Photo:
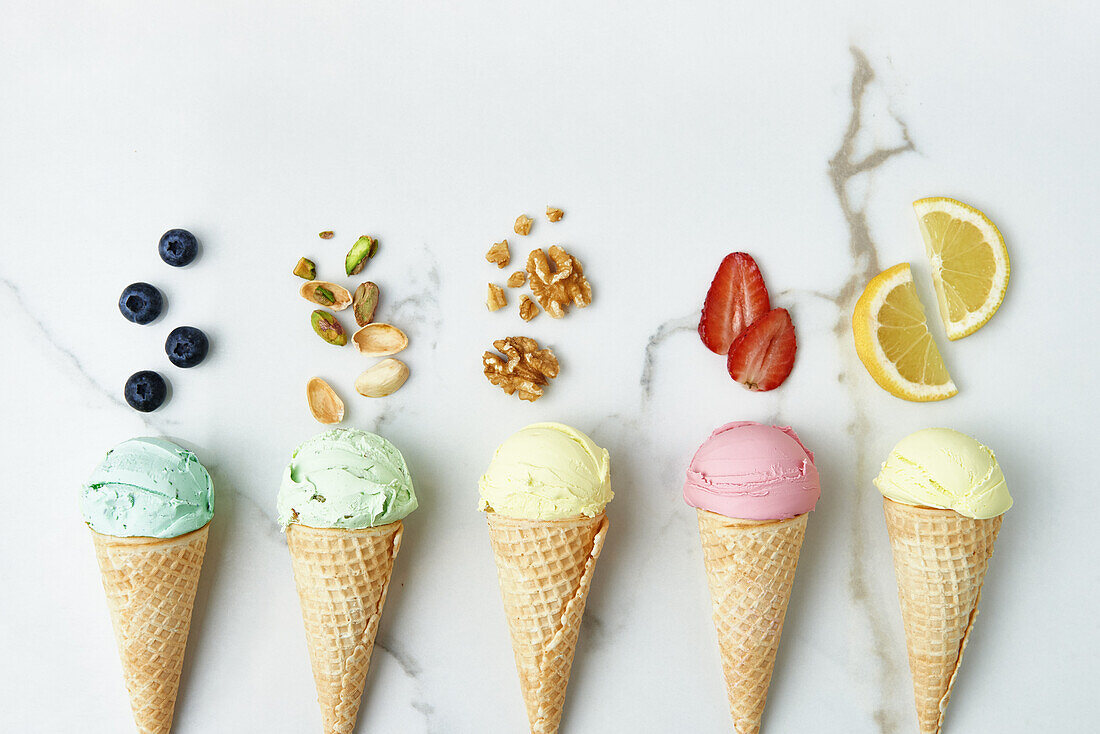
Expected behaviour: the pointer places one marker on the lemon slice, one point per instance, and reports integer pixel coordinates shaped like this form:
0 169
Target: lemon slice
969 263
893 342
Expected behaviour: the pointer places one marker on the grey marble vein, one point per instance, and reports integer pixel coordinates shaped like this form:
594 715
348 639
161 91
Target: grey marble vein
656 340
418 305
412 670
73 363
380 420
844 166
264 514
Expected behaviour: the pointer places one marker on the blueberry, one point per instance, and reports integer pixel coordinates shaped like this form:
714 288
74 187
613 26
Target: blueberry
145 391
178 247
140 303
186 346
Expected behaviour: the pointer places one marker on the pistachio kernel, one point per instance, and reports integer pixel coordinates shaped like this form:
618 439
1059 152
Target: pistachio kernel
328 234
305 269
325 295
364 302
363 250
328 328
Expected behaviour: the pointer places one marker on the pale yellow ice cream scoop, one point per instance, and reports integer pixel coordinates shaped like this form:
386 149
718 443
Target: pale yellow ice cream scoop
939 467
547 471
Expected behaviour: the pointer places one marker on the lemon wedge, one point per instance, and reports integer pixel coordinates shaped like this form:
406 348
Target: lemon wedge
969 263
892 339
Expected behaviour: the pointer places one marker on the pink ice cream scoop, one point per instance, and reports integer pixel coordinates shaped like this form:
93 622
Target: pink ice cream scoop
754 472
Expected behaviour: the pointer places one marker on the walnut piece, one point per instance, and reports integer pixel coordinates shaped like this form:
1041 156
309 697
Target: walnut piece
499 255
527 308
496 299
554 214
525 370
516 279
557 282
523 224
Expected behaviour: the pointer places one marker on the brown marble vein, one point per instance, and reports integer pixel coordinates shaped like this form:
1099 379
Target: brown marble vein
844 166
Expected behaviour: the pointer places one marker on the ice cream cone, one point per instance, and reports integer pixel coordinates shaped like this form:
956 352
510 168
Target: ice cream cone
342 577
150 585
545 569
750 569
940 559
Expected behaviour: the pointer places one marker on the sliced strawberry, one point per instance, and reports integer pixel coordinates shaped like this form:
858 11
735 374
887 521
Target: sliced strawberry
737 297
762 357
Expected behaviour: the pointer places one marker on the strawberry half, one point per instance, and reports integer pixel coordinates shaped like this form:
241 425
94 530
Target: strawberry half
762 357
737 297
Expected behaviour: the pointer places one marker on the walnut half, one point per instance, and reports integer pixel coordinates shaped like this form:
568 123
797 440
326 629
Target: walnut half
557 282
526 369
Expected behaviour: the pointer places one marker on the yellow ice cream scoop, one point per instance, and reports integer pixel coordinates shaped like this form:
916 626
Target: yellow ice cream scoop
547 471
939 467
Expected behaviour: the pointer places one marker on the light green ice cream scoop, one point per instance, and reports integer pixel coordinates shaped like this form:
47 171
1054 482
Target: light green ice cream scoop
345 478
148 487
547 471
939 467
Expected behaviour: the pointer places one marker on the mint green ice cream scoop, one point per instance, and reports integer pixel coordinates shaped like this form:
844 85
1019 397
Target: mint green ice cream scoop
345 478
148 487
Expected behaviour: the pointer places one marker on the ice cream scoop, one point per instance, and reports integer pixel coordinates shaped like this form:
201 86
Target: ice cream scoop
149 504
544 495
752 471
547 471
945 469
148 487
345 478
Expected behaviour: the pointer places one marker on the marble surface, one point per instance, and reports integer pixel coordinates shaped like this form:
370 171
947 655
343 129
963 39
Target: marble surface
670 135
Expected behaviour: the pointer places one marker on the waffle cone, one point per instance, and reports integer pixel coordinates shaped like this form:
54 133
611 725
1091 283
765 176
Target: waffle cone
150 585
940 559
342 577
750 569
545 569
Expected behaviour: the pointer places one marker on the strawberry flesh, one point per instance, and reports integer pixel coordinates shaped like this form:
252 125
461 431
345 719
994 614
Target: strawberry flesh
762 357
737 297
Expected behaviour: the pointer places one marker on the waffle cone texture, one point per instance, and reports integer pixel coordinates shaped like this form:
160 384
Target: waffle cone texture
545 570
750 570
940 560
342 578
150 585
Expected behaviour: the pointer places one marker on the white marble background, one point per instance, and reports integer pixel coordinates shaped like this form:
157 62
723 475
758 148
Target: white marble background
671 134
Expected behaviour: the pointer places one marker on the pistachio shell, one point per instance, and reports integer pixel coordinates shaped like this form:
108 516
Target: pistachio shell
382 379
364 302
319 292
324 403
380 340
